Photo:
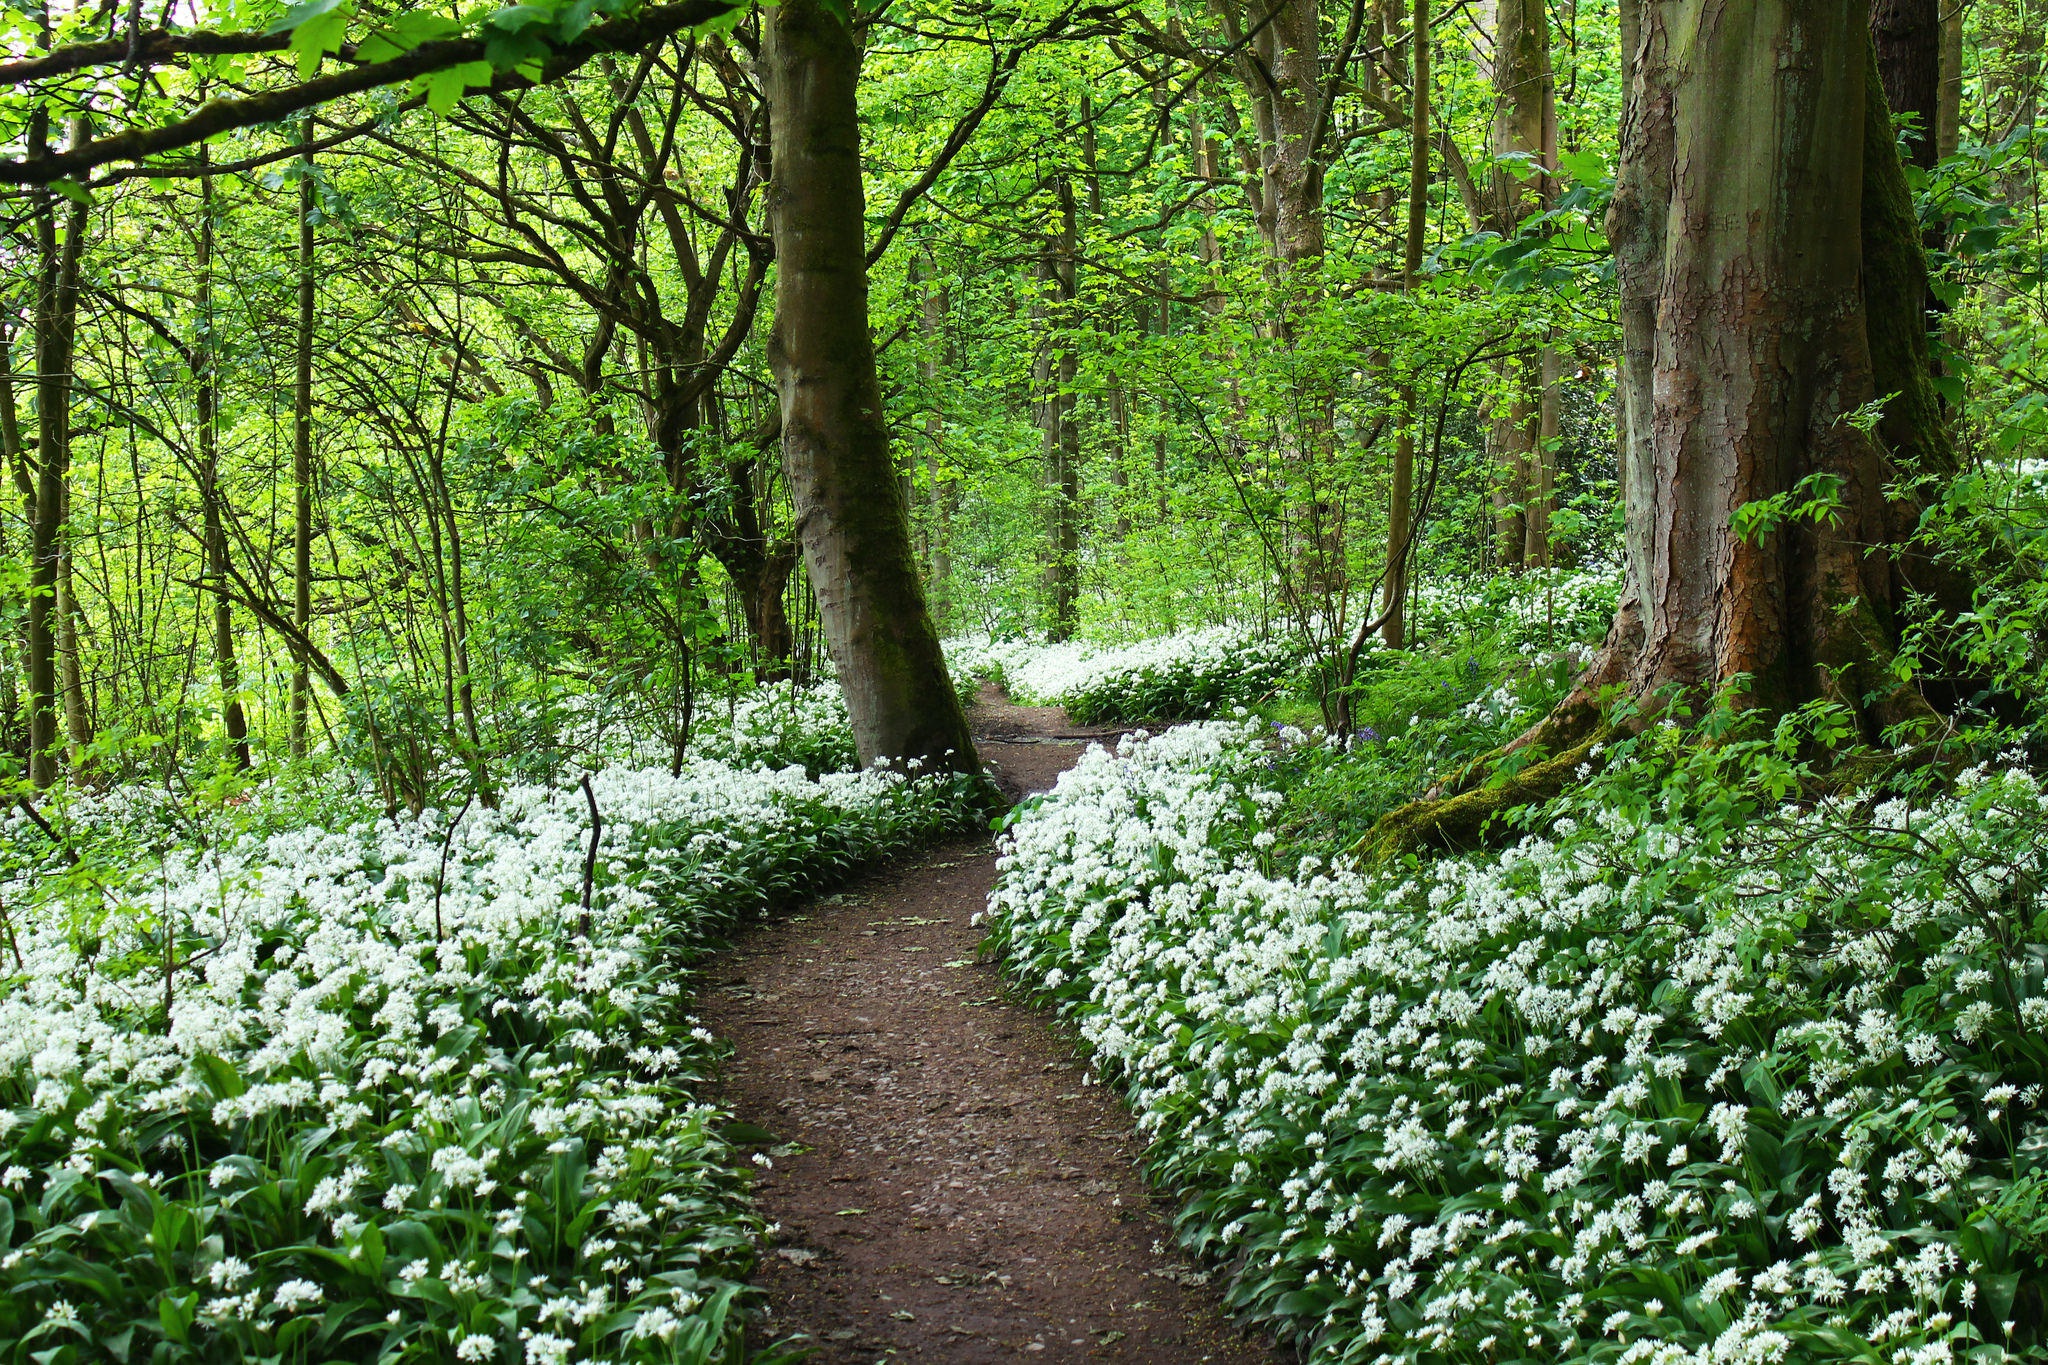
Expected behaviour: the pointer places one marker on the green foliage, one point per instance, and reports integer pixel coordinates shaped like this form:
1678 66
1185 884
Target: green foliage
1684 1070
371 1094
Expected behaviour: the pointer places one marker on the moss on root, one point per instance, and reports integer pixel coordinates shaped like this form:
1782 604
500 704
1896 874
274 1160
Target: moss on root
1460 821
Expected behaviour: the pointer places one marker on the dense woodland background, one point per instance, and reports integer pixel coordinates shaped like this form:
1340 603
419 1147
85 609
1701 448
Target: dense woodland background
490 489
410 440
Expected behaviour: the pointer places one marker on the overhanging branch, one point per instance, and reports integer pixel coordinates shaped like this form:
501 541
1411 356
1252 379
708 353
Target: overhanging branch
219 116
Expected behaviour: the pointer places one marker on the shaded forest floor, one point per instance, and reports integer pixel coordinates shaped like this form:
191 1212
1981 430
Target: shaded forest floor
955 1191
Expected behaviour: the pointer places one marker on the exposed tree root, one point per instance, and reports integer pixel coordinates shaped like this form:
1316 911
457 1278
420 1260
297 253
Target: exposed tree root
1457 822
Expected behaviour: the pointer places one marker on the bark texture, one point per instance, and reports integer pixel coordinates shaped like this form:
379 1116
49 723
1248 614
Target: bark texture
1279 64
1770 278
1907 36
851 518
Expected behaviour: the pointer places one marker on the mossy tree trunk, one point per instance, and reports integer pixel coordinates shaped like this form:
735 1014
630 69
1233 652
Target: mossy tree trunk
851 518
1770 277
56 322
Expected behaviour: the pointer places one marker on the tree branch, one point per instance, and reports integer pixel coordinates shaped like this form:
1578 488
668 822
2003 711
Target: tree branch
218 116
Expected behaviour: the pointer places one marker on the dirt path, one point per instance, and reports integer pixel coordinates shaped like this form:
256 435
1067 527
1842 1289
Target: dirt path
960 1194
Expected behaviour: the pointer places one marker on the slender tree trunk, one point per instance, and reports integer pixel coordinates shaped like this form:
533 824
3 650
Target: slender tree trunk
1160 483
1536 551
70 669
206 376
56 331
1064 425
1524 128
302 458
1512 436
938 359
1400 508
853 524
14 739
1948 109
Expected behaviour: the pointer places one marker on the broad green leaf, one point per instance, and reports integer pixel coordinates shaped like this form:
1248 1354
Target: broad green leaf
444 88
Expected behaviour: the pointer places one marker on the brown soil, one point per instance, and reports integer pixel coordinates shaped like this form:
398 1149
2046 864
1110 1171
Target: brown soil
954 1189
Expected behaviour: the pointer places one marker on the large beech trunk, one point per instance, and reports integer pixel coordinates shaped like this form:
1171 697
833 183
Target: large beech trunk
1770 278
850 513
1759 194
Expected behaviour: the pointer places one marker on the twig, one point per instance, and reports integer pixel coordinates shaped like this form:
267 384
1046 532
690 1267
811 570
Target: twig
28 808
590 858
441 879
14 944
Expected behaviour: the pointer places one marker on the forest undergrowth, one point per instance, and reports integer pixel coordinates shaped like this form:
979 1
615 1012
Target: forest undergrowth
1692 1064
286 1076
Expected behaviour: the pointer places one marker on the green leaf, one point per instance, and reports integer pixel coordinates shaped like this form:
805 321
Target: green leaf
316 27
176 1315
1588 168
406 32
519 18
444 88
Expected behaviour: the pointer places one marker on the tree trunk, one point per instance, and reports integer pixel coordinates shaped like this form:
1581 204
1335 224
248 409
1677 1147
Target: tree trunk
1770 277
1948 109
13 718
1281 71
1542 462
1907 36
1063 427
206 379
850 514
1524 128
938 359
56 322
1750 340
70 666
302 459
1400 508
1512 438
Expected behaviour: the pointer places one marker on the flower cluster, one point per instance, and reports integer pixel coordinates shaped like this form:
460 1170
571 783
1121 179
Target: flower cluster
1169 677
1663 1084
773 724
1536 610
407 1087
780 723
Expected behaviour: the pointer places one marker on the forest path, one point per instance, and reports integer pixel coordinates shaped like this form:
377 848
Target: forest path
960 1195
